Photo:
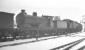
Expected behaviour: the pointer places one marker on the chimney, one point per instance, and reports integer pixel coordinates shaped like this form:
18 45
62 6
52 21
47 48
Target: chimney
34 13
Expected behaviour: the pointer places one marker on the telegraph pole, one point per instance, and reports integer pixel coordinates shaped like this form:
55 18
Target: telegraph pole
83 22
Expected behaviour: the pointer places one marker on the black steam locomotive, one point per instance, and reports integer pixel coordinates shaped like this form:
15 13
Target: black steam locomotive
32 26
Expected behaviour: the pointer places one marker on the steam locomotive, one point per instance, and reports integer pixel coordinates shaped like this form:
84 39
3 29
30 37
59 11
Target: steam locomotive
32 26
45 25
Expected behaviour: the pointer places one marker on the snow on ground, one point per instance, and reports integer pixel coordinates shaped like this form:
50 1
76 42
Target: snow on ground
81 34
15 41
25 40
44 44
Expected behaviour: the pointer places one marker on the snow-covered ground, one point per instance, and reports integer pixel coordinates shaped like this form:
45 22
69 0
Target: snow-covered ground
26 40
43 44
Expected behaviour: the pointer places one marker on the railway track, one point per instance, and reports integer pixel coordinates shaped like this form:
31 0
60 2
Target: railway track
72 45
67 46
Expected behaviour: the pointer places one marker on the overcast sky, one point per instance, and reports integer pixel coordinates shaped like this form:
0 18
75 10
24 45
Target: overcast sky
71 9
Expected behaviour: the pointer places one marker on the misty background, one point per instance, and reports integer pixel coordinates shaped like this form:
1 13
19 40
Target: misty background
66 9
